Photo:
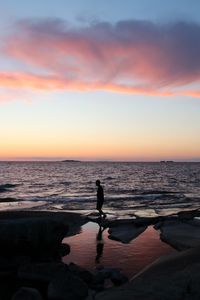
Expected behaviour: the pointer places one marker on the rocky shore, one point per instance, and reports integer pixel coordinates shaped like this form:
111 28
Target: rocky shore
31 254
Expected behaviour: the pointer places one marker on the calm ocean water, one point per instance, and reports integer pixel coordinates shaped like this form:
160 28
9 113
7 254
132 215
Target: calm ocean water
149 188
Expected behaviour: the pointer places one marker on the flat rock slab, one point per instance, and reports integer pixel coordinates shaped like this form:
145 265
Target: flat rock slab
173 277
181 235
125 232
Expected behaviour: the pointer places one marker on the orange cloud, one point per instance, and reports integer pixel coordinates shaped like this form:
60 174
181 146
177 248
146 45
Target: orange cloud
134 57
54 83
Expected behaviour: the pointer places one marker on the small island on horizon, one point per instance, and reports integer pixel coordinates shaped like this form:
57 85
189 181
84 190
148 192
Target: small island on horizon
71 160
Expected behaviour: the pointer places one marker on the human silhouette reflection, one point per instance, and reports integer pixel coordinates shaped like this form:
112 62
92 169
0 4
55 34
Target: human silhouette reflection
100 244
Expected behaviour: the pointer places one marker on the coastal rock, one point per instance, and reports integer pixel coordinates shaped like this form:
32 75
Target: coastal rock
118 278
25 293
82 273
12 263
125 232
98 282
173 277
64 249
106 272
113 274
181 235
189 214
66 286
143 221
33 236
44 272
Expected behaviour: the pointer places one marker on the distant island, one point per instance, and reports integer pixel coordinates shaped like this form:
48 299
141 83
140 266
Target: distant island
166 161
71 160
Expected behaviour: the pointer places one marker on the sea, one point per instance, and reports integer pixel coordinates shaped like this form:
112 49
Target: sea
130 188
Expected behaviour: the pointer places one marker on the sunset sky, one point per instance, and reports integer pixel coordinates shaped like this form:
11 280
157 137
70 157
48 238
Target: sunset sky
100 80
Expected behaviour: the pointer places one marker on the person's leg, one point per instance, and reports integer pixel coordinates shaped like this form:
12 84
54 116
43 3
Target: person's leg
102 213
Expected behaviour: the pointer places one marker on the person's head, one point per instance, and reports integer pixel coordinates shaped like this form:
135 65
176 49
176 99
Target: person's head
98 182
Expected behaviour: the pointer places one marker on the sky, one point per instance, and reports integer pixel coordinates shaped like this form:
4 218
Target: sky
100 80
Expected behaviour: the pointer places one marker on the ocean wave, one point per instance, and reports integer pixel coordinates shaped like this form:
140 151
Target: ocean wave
9 199
155 192
65 183
109 178
6 187
119 201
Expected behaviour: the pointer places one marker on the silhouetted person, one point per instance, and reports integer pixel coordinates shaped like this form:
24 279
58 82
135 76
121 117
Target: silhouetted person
100 198
100 244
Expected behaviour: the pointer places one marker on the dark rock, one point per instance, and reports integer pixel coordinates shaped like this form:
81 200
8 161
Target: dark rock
25 293
41 271
8 284
144 221
114 274
32 236
99 278
194 222
11 264
125 232
181 235
188 215
98 282
173 277
107 272
85 275
66 286
118 278
64 249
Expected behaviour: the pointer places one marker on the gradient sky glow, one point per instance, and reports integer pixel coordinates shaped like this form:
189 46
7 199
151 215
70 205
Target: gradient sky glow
100 80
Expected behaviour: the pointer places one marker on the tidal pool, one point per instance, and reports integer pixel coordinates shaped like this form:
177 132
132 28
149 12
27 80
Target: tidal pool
92 248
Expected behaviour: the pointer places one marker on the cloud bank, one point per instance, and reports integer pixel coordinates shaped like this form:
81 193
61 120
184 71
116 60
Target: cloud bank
138 57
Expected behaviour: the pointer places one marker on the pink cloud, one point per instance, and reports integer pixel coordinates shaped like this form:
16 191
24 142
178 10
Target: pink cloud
128 57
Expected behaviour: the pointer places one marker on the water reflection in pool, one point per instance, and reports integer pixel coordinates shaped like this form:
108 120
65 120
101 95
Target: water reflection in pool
92 248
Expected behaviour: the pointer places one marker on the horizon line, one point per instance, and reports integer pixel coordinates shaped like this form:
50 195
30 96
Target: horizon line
102 161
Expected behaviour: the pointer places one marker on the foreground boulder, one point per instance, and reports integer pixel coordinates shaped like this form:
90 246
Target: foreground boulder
43 272
82 273
32 236
181 235
25 293
66 286
174 277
